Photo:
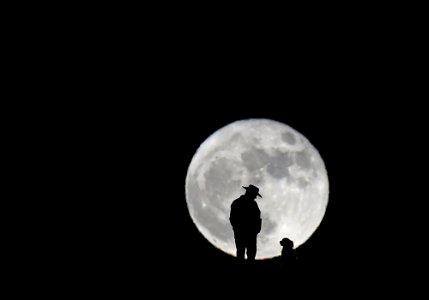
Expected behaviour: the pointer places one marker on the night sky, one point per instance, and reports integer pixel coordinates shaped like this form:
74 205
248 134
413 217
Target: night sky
142 231
131 129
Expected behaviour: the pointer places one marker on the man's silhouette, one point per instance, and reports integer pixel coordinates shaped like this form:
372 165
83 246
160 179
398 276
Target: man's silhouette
245 218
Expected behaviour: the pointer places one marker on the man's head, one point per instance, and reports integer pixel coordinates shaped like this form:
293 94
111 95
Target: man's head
252 191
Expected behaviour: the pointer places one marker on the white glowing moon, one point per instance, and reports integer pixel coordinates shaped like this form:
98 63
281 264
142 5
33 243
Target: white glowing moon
286 167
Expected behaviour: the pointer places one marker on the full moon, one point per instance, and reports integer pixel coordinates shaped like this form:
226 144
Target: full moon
286 167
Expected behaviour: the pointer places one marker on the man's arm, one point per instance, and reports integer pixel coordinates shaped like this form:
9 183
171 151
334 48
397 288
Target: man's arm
259 220
232 215
259 225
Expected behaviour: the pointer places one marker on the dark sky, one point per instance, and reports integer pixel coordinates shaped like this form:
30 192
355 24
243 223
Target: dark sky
110 106
141 224
132 126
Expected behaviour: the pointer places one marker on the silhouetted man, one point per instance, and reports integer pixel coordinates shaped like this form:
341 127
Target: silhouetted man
245 218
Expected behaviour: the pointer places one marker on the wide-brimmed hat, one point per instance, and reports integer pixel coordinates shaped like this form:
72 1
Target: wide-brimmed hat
253 189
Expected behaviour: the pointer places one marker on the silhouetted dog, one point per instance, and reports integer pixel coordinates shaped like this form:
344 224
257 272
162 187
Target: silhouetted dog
289 259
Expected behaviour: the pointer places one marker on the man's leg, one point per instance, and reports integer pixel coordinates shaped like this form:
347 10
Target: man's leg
240 245
251 247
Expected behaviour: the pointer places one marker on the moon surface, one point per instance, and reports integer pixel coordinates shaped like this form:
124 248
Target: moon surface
286 167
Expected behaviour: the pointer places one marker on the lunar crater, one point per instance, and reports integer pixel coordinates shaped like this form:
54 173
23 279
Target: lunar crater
288 137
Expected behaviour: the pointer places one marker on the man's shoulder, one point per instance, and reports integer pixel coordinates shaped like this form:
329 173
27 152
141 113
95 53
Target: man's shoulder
237 201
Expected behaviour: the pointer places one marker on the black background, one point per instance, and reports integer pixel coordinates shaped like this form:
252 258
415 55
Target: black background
139 229
123 109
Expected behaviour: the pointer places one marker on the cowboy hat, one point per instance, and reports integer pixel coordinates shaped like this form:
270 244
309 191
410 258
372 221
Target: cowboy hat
252 189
